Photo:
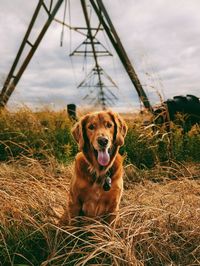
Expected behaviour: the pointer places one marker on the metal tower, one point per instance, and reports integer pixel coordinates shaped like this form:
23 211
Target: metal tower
97 82
51 10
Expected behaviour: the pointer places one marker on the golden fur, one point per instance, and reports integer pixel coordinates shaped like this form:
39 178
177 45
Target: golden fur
93 163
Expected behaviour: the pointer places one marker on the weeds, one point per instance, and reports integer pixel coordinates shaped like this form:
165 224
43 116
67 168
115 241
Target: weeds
159 221
47 134
159 214
37 135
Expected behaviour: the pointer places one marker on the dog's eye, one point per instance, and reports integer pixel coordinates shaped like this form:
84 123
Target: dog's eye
108 125
91 127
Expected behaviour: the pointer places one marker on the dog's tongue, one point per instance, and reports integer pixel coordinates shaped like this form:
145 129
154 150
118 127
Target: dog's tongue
103 157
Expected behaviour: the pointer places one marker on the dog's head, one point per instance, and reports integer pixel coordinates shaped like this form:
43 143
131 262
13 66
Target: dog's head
99 135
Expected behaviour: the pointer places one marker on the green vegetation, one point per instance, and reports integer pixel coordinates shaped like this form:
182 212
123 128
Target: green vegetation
37 135
159 214
47 134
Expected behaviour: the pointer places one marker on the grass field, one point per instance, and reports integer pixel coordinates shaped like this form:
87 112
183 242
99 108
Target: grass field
160 209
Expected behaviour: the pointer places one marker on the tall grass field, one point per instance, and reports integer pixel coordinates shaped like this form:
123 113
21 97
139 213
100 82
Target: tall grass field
159 212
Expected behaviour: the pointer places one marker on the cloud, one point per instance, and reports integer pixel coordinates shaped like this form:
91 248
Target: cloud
161 38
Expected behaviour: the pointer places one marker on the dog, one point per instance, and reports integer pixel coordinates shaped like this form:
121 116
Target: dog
96 188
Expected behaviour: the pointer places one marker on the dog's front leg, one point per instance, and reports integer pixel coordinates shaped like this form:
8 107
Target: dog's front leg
113 214
113 208
73 210
74 206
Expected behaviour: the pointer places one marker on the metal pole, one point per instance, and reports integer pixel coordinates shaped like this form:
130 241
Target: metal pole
9 88
10 75
116 42
102 99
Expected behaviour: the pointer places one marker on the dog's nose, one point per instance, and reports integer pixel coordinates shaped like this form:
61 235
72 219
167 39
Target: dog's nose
102 141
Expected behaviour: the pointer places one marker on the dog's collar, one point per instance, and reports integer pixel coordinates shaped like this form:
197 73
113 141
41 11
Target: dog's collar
104 180
107 183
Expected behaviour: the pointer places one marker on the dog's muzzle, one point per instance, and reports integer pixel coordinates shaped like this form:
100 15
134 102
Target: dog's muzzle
102 141
103 156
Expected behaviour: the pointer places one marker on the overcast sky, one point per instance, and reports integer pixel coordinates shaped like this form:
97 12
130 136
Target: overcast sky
161 37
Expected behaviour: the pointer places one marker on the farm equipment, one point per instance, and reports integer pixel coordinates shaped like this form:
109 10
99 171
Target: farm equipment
21 62
188 105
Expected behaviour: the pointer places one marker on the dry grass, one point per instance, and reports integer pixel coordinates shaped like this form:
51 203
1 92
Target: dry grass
160 218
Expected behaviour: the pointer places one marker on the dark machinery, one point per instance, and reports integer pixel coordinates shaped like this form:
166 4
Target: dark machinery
188 106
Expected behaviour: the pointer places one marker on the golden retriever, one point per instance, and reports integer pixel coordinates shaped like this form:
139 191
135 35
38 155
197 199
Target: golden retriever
96 188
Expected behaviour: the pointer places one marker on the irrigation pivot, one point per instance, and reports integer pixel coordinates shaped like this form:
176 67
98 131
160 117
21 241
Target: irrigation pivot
104 20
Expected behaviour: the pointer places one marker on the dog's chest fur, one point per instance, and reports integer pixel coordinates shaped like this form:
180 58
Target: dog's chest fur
89 191
96 201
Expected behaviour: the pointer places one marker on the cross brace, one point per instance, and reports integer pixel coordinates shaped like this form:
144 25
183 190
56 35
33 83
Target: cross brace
116 42
12 78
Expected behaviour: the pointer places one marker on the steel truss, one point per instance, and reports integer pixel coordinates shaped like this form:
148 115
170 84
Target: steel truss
98 6
14 76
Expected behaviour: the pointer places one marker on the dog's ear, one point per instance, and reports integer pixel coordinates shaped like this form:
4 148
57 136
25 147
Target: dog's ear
78 132
120 129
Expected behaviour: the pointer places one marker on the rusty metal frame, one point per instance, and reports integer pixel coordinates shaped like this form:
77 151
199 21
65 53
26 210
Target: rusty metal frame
106 22
12 78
